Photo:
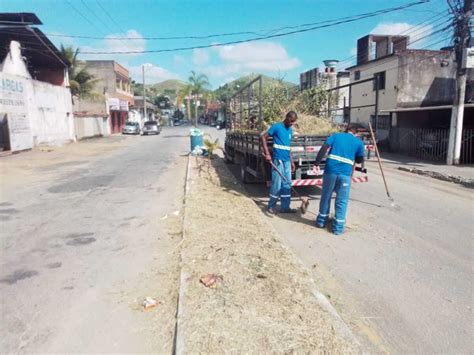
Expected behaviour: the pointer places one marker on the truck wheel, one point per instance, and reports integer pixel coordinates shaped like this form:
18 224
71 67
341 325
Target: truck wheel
245 175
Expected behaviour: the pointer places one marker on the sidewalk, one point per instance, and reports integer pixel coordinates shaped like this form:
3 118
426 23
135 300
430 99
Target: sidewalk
463 174
263 299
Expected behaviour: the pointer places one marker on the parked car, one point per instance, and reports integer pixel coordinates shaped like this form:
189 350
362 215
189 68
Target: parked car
131 128
151 127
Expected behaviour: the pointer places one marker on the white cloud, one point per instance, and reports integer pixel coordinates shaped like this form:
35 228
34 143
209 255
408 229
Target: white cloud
153 74
268 56
110 44
137 44
200 57
244 58
416 33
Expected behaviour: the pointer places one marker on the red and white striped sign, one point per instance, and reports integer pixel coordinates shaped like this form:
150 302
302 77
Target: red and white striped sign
319 182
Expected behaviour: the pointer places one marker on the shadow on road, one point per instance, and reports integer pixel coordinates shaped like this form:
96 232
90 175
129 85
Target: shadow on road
176 136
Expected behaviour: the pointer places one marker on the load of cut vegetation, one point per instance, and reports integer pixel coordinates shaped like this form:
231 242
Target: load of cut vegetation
310 105
242 291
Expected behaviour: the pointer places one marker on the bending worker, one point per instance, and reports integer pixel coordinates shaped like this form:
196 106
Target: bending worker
345 150
282 134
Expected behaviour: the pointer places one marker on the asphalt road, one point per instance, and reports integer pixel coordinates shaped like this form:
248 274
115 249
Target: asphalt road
85 240
402 276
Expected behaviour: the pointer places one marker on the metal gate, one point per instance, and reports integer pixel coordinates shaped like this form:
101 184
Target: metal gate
244 108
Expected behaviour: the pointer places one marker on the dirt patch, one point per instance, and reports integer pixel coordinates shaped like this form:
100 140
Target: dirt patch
263 299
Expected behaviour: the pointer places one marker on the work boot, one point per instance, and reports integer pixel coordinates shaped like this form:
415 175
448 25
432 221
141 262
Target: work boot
271 211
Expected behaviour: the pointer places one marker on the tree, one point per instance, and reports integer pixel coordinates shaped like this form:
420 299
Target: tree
81 82
163 102
183 95
199 84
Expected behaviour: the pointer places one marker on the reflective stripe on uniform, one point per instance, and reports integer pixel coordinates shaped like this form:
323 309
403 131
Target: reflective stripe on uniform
282 147
340 220
273 196
341 159
285 195
323 215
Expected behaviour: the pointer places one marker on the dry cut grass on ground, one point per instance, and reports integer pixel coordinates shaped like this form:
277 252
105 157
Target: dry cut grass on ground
263 301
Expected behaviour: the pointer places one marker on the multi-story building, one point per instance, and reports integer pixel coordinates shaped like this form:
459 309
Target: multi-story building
405 91
115 87
333 81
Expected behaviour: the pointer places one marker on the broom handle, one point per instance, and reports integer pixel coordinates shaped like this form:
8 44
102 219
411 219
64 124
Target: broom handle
286 180
379 160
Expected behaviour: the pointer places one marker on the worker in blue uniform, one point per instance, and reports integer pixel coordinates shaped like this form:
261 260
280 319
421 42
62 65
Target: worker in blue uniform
345 150
282 134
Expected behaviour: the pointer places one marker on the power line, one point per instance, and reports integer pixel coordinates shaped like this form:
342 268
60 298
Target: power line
408 63
440 26
373 14
110 17
410 31
96 16
81 14
258 33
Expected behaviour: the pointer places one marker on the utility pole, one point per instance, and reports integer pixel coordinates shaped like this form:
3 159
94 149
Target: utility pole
196 105
144 97
462 37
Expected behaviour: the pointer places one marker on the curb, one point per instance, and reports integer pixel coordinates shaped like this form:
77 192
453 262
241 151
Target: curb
178 346
466 182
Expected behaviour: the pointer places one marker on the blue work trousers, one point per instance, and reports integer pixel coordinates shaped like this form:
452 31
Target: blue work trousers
341 185
280 188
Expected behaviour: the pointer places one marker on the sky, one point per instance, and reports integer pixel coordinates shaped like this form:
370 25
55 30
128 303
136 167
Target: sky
282 57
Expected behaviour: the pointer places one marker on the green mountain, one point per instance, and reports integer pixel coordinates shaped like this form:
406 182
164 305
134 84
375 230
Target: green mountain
167 88
230 88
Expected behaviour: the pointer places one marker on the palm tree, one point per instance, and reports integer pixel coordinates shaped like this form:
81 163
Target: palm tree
81 82
199 83
186 91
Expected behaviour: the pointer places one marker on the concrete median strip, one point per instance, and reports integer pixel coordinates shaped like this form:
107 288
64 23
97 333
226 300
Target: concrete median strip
263 300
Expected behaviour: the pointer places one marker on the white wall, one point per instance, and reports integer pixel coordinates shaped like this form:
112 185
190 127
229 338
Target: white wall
51 114
14 104
86 127
363 94
41 111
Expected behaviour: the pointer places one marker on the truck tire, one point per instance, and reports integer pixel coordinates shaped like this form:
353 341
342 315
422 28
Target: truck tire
246 177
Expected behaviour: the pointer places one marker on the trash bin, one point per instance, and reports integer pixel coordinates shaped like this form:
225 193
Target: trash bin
196 138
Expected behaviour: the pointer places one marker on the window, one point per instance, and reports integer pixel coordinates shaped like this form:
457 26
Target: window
357 75
379 81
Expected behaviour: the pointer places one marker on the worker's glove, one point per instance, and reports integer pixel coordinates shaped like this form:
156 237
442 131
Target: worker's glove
316 170
268 157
